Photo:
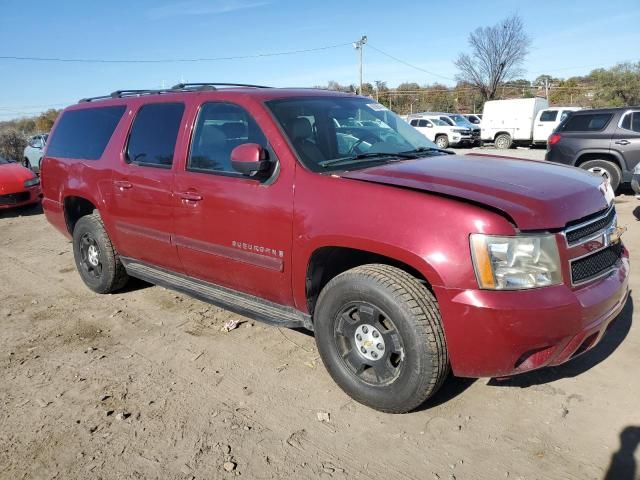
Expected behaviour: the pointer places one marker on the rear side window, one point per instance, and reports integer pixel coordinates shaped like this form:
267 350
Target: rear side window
154 133
414 123
84 134
549 116
587 122
631 121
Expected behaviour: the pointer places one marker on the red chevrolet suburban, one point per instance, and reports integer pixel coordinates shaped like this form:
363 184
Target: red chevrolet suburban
322 210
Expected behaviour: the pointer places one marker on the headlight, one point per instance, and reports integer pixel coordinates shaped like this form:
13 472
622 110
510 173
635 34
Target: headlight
515 263
32 182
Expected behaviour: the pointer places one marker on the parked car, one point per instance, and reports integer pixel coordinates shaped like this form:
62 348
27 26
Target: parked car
33 152
605 142
406 261
458 121
18 185
475 118
439 132
523 121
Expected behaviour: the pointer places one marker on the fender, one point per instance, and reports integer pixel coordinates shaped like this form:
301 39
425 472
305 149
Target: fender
602 151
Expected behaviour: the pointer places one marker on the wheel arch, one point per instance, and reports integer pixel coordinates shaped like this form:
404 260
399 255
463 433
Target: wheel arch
75 207
607 155
327 261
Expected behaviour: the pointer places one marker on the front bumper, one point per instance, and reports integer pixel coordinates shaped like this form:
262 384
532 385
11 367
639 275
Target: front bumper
19 199
503 333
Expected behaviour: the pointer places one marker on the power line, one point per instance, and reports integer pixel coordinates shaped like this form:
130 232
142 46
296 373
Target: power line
170 60
409 64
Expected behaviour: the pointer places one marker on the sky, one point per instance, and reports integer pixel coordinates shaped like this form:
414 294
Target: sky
568 38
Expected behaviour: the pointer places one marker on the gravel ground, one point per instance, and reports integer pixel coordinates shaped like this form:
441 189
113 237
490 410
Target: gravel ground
144 384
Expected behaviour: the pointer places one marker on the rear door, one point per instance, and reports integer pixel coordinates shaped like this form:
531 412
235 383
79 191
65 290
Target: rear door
143 199
545 123
626 139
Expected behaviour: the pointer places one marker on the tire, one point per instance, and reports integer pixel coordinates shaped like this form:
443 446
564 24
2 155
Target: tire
606 169
26 163
413 361
96 258
442 141
503 141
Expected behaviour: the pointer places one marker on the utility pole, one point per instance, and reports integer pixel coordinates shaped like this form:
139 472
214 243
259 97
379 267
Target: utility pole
359 45
546 88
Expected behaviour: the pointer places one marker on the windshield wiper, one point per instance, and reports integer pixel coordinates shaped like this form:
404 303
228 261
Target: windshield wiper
426 150
369 156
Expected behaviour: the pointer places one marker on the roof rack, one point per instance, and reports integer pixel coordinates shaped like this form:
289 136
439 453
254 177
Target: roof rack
180 87
212 86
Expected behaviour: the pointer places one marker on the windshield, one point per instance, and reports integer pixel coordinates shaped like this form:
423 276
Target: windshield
460 120
337 133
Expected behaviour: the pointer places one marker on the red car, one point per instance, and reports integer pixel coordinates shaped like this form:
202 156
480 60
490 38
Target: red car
19 186
315 209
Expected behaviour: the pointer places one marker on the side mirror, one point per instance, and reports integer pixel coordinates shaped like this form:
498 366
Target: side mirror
250 159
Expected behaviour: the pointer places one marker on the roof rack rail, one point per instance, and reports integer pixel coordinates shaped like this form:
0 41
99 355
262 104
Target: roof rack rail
124 93
212 86
180 87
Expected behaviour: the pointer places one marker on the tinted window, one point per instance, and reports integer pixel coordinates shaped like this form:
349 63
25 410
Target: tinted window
631 121
549 116
414 123
153 136
84 134
221 127
422 123
587 122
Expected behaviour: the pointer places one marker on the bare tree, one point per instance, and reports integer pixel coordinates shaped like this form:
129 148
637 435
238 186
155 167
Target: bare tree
496 56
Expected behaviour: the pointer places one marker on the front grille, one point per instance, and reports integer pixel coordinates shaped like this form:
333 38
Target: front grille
576 234
592 266
14 198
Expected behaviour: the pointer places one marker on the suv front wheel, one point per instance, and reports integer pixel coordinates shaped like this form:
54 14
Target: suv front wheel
380 336
96 259
605 169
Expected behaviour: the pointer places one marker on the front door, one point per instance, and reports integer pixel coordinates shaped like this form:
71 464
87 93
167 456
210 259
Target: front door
545 124
143 201
626 139
230 229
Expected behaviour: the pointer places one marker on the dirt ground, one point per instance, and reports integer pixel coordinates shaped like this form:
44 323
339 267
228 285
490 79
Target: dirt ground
144 384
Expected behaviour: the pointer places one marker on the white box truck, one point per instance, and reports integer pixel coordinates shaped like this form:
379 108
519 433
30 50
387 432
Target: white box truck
522 121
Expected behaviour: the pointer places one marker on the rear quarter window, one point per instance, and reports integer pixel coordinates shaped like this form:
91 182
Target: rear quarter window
587 122
84 134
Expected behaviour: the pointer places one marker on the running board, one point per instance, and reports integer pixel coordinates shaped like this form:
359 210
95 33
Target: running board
237 302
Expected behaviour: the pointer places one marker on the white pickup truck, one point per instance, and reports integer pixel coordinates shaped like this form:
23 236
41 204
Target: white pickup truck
438 131
522 121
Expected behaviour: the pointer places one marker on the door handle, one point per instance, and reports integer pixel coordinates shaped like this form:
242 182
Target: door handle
123 184
190 196
623 142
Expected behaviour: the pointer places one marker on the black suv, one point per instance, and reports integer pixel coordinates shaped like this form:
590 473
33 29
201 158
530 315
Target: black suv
605 141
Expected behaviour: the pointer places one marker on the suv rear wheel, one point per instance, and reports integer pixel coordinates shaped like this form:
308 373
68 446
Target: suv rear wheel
503 141
442 141
380 336
96 259
605 169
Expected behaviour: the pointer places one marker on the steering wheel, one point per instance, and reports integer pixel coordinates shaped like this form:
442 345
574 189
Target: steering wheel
360 141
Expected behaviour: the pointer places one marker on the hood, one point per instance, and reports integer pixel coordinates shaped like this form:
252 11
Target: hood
536 195
13 176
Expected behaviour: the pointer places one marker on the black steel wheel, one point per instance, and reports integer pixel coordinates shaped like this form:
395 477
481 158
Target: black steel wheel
380 336
368 342
96 259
